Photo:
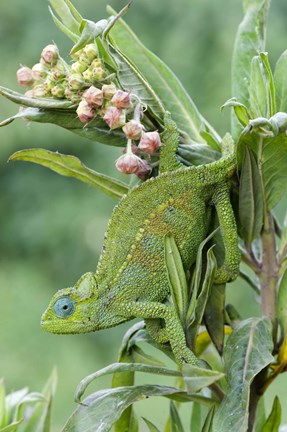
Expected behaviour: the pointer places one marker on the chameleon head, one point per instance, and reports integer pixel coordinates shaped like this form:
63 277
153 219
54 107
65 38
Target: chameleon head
70 309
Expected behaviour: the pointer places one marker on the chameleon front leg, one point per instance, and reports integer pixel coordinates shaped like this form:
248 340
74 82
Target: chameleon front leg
230 268
172 331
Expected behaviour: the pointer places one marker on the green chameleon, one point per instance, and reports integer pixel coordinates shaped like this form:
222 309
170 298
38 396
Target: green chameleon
131 280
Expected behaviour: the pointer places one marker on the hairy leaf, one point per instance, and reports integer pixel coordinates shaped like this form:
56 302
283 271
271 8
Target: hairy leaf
280 81
249 41
71 166
122 367
163 82
196 378
103 408
247 352
258 89
250 199
66 12
195 419
97 130
214 316
207 427
46 103
176 277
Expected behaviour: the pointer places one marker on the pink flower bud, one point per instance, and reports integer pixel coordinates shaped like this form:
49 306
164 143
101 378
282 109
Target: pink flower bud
128 163
109 90
50 54
133 130
94 96
121 99
85 112
115 117
39 91
150 142
144 171
39 72
24 76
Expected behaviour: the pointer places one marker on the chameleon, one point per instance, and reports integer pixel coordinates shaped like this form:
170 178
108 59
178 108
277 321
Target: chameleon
131 280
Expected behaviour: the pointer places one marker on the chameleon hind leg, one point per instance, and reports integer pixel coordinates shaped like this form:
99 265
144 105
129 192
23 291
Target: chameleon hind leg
230 267
172 332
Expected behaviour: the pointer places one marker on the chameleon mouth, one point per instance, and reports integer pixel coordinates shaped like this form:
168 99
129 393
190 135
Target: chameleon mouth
65 327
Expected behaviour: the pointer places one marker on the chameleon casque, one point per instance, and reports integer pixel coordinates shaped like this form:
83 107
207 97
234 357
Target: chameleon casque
131 279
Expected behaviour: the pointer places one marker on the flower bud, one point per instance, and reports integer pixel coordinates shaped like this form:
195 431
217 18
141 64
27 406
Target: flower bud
128 163
40 91
50 54
29 93
85 112
99 73
109 90
58 71
90 51
94 96
48 84
76 81
73 96
150 142
88 75
121 99
84 61
115 117
144 170
133 130
77 67
39 72
58 91
24 76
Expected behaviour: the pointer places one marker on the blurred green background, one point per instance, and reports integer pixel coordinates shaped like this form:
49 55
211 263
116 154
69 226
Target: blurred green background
52 227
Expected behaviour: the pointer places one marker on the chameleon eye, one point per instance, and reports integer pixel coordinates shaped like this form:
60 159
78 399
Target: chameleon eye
64 307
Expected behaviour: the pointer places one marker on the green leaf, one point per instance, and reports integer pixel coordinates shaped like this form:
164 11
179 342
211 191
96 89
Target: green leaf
73 36
273 422
40 418
66 12
197 154
250 40
239 109
194 320
195 419
176 277
250 199
121 367
274 169
132 80
196 378
270 85
71 166
150 425
162 80
46 103
282 304
2 403
258 89
96 130
12 427
207 427
89 32
280 82
247 352
104 407
260 418
176 424
214 316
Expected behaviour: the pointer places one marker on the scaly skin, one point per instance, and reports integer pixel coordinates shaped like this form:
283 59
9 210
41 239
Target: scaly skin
131 279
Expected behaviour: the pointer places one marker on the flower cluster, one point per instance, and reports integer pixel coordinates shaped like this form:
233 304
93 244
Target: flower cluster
88 85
